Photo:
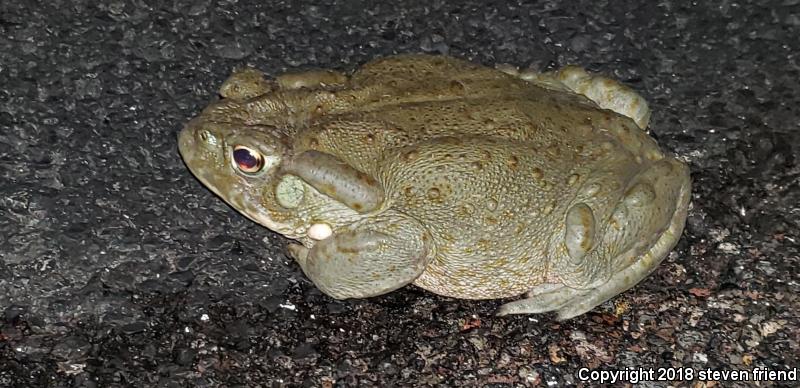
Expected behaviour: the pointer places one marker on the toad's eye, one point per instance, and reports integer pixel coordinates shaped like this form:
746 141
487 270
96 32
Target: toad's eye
247 159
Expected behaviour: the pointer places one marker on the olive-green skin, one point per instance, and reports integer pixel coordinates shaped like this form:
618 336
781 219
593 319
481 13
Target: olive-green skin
464 180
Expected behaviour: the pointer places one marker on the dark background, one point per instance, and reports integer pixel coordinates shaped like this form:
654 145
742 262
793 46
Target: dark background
118 268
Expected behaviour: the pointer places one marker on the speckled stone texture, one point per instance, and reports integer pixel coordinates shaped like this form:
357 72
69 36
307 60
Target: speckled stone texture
118 268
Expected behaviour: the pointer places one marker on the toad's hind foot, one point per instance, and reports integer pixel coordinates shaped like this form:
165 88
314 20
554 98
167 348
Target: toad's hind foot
605 92
557 298
570 302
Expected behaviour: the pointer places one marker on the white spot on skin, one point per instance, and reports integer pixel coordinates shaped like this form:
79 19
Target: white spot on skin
319 231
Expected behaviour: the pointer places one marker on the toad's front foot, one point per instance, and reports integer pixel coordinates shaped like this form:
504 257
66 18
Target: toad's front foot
371 259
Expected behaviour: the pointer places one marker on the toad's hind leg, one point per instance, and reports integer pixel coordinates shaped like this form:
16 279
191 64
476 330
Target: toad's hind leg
605 92
668 177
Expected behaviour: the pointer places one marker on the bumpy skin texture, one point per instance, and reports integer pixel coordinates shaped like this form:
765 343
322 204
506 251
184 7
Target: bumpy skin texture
467 181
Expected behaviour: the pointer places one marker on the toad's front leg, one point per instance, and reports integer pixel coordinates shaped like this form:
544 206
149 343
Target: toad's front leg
372 258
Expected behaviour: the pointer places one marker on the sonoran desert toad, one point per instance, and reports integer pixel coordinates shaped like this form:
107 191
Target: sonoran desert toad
467 181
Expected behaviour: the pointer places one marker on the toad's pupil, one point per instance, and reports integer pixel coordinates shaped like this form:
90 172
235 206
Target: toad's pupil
245 159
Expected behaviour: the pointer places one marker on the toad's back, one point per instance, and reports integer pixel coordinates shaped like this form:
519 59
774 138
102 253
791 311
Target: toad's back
489 162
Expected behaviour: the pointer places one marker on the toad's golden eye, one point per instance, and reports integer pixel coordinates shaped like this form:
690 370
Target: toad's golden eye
247 159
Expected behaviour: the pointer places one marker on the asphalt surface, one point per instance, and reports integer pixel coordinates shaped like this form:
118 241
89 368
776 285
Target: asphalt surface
118 268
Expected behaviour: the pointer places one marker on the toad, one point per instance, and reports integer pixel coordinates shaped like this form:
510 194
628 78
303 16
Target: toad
464 180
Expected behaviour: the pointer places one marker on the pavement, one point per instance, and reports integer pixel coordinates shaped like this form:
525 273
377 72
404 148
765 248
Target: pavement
118 268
